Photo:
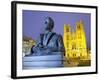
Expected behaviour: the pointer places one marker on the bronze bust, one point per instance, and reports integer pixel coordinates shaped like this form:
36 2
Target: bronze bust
49 43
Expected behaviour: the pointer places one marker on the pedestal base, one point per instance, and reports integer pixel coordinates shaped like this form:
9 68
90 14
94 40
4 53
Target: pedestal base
45 61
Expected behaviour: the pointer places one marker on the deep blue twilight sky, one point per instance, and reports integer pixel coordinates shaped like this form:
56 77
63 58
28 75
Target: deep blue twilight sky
33 22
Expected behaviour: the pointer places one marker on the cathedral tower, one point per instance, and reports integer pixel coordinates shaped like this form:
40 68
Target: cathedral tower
81 39
67 39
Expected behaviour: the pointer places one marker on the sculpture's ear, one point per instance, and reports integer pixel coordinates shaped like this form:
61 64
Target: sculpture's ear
52 25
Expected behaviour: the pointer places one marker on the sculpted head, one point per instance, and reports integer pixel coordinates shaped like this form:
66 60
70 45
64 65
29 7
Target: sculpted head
49 23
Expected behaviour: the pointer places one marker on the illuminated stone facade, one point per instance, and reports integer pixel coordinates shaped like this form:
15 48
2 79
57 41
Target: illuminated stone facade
27 45
75 41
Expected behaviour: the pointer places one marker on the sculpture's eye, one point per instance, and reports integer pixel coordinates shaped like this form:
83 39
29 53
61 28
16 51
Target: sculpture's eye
45 22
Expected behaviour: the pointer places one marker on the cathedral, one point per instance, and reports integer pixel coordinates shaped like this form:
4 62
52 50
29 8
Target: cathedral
75 41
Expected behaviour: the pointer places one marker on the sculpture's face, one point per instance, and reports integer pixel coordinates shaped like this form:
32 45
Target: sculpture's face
48 24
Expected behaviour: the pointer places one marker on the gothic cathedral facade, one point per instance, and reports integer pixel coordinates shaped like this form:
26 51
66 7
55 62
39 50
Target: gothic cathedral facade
75 41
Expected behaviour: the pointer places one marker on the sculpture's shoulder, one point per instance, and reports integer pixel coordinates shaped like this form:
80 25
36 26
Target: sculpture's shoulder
58 36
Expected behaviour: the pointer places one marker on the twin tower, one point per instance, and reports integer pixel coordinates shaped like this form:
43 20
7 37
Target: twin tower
75 41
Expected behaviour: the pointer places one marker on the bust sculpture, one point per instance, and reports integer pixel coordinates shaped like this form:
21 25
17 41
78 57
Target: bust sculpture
49 43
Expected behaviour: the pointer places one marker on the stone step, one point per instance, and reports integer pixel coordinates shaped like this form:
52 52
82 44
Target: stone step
40 67
43 58
30 62
42 63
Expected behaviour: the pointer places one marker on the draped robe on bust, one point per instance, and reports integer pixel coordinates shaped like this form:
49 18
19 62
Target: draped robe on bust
48 44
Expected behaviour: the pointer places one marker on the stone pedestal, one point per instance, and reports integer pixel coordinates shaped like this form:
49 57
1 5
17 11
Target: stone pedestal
44 61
